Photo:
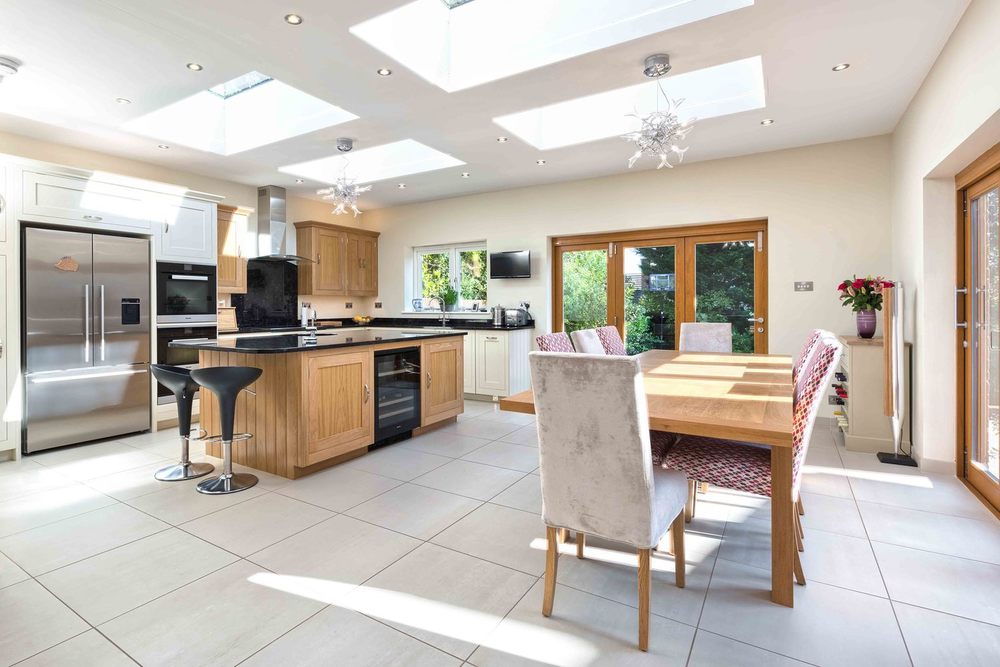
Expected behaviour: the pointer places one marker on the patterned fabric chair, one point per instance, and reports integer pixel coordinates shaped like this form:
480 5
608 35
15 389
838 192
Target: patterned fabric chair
706 337
587 341
807 349
596 469
611 340
737 465
554 342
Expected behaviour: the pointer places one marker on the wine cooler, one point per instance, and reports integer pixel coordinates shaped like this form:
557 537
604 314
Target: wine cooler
397 391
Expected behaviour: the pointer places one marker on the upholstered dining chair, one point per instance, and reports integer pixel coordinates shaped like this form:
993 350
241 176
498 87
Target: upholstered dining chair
744 467
596 468
554 342
611 340
587 341
807 349
706 337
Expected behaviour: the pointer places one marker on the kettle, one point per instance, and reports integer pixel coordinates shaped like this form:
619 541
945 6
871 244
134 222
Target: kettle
498 315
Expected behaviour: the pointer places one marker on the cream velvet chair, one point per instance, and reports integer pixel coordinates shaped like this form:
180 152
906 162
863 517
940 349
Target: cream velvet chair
596 468
706 337
587 341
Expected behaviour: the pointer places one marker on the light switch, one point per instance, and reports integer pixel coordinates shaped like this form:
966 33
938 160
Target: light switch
803 286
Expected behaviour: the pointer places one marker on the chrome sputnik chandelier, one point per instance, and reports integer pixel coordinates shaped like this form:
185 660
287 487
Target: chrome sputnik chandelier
660 132
345 191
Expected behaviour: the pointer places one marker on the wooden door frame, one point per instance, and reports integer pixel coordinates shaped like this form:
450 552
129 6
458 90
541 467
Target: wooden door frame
755 230
973 181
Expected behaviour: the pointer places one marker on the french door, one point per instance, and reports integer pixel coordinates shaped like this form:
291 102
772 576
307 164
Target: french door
980 337
647 283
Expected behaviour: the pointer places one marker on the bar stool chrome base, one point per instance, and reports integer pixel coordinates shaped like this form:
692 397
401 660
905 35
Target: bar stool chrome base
228 481
185 469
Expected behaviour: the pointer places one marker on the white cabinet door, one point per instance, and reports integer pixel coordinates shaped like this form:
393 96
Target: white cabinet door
188 234
88 201
6 359
469 340
491 363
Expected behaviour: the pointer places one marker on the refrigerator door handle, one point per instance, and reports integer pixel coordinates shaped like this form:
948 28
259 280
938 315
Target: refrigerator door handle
102 322
86 323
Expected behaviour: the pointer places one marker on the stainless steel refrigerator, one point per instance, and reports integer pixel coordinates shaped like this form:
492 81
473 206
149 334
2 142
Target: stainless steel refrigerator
86 337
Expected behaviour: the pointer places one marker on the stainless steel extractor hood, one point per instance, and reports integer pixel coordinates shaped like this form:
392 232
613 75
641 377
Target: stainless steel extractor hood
272 227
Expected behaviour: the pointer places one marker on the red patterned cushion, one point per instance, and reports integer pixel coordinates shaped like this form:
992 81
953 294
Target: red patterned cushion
611 340
554 342
732 465
807 349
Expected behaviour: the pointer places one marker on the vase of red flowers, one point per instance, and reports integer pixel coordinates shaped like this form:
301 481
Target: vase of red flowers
864 296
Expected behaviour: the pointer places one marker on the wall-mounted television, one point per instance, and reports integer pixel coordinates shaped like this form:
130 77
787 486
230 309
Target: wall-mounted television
512 264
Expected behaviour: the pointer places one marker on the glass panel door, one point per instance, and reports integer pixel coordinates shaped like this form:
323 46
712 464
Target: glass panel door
724 287
582 275
651 285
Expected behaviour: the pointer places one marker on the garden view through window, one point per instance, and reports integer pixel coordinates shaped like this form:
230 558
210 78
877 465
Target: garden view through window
454 274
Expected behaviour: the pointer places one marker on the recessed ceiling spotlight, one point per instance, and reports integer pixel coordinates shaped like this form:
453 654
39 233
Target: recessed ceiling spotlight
539 162
767 121
299 181
465 174
841 67
401 186
123 100
383 71
162 147
293 19
195 67
503 140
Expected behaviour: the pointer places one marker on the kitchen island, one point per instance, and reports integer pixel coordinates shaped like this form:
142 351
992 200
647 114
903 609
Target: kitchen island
314 404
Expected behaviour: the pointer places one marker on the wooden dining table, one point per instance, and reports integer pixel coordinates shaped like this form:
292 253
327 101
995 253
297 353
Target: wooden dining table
745 397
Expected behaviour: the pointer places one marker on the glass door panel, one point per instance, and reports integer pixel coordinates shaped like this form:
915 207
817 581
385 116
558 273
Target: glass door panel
583 276
725 289
651 286
984 453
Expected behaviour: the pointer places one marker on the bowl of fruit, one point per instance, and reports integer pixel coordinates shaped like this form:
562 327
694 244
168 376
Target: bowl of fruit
362 319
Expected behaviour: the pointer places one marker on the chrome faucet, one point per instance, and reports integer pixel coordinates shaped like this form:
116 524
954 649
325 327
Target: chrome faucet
444 313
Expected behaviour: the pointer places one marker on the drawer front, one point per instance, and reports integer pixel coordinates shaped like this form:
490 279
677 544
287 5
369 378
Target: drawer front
88 202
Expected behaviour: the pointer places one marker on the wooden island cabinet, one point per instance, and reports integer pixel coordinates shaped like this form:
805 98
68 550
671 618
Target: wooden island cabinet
314 405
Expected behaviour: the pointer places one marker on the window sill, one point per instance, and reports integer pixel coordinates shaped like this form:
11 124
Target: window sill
437 313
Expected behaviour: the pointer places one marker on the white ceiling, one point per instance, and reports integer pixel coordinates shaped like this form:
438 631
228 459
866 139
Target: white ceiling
80 55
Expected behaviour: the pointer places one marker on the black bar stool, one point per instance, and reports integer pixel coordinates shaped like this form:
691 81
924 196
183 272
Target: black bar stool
178 380
226 382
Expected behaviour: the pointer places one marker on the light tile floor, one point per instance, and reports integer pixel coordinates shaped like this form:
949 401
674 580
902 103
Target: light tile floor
430 552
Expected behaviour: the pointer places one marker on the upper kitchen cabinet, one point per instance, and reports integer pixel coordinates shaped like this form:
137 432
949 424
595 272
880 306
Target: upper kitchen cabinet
232 238
187 233
345 260
89 201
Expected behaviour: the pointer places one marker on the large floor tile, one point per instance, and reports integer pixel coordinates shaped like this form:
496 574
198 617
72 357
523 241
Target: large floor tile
826 480
397 463
340 549
28 480
151 439
338 488
830 558
834 515
931 493
114 582
583 630
170 448
33 620
85 462
941 533
712 650
10 573
505 455
442 443
180 503
525 494
57 544
526 435
414 510
828 625
90 648
482 428
348 639
220 619
506 417
257 523
473 480
858 463
447 599
136 482
936 639
611 570
500 535
39 509
953 585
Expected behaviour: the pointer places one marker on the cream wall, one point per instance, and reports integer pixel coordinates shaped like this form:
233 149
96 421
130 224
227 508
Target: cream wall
827 208
952 119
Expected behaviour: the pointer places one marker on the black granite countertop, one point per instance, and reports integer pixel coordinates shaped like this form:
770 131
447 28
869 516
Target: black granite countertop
401 322
325 339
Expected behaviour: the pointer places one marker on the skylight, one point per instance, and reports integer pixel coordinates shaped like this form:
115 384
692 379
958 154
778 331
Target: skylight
239 115
456 47
714 91
378 163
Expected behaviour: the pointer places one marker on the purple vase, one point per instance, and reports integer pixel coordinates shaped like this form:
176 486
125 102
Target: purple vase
866 323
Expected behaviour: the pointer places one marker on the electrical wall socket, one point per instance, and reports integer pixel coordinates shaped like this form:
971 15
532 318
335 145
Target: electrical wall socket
378 304
349 304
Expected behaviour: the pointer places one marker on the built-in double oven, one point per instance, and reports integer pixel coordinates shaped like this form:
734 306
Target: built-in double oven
178 356
185 293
